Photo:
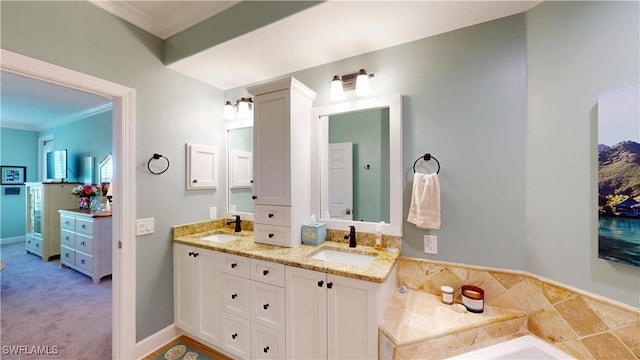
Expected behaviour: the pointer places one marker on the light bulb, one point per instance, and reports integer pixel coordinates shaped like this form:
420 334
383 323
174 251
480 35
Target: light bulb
243 107
337 92
362 83
227 113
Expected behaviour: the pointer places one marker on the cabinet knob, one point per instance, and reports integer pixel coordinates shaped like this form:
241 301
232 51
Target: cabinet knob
265 272
233 296
195 181
233 265
66 223
254 197
82 261
66 255
270 236
265 306
265 349
66 238
320 283
329 285
195 254
82 243
84 226
234 336
270 215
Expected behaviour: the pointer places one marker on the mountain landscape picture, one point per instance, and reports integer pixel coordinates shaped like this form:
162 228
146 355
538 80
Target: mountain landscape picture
619 176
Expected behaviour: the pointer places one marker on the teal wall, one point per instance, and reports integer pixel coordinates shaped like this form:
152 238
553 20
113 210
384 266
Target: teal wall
91 136
17 148
366 130
171 110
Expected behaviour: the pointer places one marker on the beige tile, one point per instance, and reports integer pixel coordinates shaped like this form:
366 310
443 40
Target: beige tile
529 296
505 328
507 301
446 344
439 276
385 347
508 280
405 352
425 351
575 348
580 317
630 336
614 316
473 336
492 287
550 326
607 346
410 274
551 292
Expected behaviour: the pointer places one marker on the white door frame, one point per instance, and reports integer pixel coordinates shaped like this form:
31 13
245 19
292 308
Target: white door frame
124 250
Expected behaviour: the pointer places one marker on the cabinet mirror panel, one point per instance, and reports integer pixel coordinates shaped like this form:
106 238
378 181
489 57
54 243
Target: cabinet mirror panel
240 170
357 164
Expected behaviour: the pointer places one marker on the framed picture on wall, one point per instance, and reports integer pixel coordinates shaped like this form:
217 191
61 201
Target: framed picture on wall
13 175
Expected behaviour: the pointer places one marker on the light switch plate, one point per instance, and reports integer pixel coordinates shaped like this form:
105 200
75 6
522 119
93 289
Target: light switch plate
145 226
213 213
430 244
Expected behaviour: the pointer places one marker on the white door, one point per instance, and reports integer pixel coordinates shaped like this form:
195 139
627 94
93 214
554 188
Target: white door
306 314
45 144
341 180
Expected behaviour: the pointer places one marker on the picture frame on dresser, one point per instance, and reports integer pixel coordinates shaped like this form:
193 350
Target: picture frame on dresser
13 175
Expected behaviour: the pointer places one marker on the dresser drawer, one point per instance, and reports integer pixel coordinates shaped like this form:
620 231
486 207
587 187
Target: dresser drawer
67 255
68 223
84 226
273 235
267 305
34 244
272 215
84 261
68 239
267 272
236 265
84 244
236 293
266 343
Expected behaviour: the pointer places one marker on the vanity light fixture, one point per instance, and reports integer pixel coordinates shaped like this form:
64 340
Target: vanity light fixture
242 107
358 81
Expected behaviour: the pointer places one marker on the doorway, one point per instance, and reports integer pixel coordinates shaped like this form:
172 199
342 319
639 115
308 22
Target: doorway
123 246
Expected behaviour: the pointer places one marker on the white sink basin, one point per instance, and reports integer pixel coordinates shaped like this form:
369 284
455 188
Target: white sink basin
220 238
342 257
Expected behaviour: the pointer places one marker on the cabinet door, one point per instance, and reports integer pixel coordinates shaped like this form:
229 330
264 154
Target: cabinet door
306 314
185 292
271 144
202 167
352 320
209 269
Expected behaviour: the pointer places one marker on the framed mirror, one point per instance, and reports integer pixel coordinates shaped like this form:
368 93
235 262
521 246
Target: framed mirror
357 164
239 192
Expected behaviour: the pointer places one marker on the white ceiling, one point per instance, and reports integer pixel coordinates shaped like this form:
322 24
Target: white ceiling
324 33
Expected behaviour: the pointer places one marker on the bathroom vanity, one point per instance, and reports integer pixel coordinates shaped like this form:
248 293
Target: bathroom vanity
254 300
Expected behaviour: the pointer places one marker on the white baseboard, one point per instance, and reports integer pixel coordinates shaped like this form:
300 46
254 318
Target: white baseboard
12 240
154 342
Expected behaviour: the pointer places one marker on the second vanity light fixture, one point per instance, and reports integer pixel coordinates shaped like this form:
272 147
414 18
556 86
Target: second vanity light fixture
242 107
358 80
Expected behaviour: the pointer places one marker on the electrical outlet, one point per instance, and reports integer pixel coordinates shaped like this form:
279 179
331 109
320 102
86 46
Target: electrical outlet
430 244
213 213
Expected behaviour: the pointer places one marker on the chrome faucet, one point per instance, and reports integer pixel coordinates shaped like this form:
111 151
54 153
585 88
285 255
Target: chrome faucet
351 236
237 222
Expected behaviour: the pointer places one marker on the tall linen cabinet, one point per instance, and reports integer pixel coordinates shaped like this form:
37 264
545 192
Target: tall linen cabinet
282 158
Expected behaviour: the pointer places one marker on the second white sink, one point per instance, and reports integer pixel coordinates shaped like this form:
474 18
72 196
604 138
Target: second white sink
342 257
220 238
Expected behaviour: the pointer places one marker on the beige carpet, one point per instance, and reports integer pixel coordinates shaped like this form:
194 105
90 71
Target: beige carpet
50 312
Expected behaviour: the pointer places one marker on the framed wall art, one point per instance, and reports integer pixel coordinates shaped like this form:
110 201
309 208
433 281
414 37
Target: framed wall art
13 175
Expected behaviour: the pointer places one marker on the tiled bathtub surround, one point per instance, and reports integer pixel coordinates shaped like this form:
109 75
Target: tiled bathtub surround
584 325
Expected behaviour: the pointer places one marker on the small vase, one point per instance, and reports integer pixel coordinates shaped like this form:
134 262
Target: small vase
83 202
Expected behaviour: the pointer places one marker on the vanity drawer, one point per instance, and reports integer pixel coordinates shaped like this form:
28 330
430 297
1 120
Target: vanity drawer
267 272
267 305
273 235
266 343
84 244
236 335
236 293
68 223
236 265
272 215
67 255
84 226
68 239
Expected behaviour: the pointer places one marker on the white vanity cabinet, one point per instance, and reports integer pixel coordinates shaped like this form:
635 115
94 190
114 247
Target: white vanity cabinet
282 157
333 317
196 296
253 308
86 244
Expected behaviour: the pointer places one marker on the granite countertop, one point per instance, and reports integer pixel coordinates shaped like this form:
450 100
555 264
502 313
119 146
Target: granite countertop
298 256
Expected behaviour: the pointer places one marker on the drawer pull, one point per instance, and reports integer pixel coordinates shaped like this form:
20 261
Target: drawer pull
234 296
265 349
66 238
82 261
84 226
270 215
234 336
254 197
265 272
329 285
66 223
66 255
82 243
320 283
265 306
233 265
270 236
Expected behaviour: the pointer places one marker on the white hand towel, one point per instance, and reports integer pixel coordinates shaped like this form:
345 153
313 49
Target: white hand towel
425 201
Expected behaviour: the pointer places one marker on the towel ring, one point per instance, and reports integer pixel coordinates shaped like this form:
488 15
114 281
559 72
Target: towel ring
156 157
426 157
